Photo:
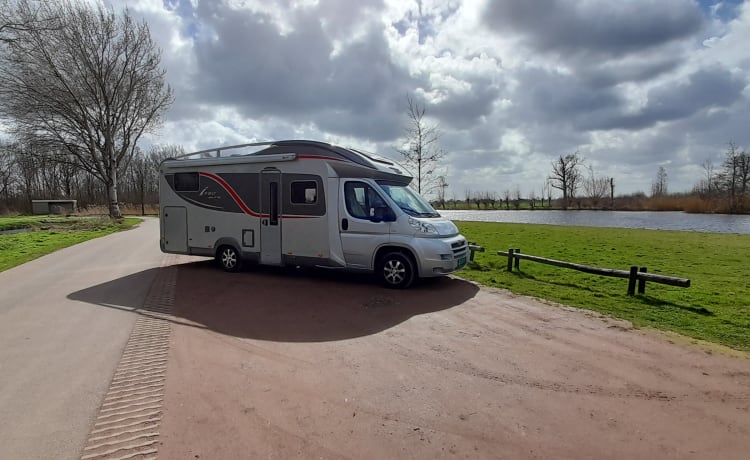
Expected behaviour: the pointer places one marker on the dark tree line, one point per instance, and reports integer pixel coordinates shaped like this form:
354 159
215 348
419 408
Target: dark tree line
28 173
728 186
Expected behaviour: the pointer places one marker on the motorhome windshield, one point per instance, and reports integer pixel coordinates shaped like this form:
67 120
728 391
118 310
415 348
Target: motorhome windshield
408 200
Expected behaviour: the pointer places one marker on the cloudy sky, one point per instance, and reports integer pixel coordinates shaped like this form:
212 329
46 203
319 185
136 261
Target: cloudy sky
630 85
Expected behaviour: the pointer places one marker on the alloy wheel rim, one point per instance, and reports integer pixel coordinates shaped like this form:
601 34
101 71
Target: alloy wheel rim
394 271
229 259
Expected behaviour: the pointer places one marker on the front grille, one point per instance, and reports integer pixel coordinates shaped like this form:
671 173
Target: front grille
460 248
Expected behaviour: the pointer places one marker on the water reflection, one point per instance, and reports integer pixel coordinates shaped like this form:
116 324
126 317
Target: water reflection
668 220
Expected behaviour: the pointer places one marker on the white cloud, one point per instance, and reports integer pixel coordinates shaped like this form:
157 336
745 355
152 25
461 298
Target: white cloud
630 85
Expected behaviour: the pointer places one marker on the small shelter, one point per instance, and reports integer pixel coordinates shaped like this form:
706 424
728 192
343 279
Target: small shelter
54 206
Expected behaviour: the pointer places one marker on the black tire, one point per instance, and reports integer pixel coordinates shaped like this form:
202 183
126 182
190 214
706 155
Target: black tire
396 270
229 259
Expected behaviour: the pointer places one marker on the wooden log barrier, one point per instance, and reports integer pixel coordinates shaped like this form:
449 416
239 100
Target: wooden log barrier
473 247
642 282
635 275
632 278
510 259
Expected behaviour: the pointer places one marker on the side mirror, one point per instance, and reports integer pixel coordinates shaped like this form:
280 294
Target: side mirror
382 214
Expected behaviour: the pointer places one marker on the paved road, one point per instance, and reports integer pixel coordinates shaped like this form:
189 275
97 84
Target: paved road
61 338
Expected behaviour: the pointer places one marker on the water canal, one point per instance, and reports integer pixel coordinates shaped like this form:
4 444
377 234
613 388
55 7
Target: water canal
663 220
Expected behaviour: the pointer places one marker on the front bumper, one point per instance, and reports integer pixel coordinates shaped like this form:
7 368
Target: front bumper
441 256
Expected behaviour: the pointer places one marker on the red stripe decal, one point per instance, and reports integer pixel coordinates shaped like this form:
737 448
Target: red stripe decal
232 193
242 204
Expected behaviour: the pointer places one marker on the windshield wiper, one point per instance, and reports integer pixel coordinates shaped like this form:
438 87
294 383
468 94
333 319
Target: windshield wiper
415 213
410 211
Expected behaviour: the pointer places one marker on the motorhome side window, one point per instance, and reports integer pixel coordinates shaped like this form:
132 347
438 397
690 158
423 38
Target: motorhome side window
361 200
186 182
304 192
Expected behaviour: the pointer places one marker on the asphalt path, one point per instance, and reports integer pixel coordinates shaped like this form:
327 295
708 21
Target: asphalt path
63 326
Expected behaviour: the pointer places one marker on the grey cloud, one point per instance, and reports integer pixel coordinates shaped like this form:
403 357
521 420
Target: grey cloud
594 27
342 16
561 98
252 66
611 73
705 89
464 110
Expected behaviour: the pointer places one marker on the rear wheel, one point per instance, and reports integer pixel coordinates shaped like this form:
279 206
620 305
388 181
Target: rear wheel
396 270
229 258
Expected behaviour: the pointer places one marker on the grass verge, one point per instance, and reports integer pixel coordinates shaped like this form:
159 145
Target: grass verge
715 308
48 234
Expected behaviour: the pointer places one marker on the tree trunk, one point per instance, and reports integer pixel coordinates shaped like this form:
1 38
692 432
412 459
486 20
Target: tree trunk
114 206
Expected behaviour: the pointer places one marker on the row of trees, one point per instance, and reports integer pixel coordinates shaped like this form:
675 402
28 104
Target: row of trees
723 189
29 173
79 86
727 185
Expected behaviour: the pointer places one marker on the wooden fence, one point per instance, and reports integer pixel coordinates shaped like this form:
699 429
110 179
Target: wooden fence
634 275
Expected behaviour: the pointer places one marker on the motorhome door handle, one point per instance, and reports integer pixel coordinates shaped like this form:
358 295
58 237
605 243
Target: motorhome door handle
264 222
345 224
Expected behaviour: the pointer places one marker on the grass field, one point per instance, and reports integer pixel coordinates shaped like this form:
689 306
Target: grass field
716 307
48 234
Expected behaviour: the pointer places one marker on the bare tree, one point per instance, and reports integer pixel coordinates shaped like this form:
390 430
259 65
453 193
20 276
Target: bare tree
709 177
7 163
735 178
595 186
442 185
566 176
517 197
492 198
90 84
11 24
420 149
547 192
659 187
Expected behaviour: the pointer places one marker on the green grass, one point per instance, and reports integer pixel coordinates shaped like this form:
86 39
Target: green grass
716 307
50 234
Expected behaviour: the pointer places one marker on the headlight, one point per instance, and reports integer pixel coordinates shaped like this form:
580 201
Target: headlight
423 227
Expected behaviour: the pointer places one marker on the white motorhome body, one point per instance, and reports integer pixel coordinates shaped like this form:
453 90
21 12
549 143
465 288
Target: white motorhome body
304 203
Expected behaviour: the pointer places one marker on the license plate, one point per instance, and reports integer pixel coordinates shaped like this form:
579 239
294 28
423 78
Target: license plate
461 262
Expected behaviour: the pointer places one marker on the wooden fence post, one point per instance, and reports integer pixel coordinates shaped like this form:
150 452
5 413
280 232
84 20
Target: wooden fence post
632 279
510 260
642 282
517 263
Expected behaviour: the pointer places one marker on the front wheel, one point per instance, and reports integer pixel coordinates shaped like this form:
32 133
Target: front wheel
229 258
396 270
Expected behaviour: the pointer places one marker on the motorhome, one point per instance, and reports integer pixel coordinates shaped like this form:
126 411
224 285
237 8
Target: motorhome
304 203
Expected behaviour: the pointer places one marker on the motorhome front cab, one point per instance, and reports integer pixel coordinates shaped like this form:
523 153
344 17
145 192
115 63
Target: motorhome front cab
304 203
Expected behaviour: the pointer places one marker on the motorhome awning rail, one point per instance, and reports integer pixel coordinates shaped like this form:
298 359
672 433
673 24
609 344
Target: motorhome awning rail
240 159
217 150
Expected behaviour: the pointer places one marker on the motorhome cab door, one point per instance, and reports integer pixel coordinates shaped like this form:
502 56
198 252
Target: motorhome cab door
360 236
270 219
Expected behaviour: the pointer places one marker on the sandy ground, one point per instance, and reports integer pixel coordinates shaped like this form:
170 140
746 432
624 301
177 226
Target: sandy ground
271 364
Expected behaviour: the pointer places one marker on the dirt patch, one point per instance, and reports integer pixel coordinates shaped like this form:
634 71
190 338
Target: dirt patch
275 364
